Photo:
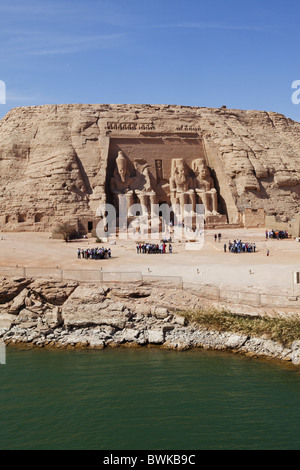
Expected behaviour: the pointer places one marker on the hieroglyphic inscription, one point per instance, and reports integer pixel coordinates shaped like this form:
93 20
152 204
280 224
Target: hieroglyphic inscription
130 126
186 128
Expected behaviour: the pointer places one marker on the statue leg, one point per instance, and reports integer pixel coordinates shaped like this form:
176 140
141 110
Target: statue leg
175 205
152 197
203 197
192 200
214 198
143 198
182 202
129 200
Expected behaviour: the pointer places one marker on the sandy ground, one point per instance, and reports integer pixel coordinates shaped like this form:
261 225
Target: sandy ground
209 265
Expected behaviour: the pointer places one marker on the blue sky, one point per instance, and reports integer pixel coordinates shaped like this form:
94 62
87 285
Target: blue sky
240 54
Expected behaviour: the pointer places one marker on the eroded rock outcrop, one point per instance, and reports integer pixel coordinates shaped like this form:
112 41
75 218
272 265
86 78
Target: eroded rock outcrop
99 316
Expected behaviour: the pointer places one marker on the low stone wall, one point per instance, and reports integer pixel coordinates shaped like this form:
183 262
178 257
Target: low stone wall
239 297
57 314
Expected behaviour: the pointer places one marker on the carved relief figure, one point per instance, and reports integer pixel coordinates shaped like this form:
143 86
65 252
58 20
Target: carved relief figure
204 187
159 170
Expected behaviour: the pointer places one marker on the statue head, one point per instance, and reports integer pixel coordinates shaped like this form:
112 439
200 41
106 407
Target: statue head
201 170
181 170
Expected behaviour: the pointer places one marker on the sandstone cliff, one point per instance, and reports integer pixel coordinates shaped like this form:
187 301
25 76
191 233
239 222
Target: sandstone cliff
56 161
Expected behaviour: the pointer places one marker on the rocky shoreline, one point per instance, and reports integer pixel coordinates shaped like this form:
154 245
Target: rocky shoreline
45 313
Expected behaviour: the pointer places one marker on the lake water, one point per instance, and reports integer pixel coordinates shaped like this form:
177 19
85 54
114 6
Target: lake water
145 399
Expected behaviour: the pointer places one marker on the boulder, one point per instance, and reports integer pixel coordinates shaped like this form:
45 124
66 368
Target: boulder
6 319
88 305
18 302
55 293
156 336
10 288
52 317
160 312
26 315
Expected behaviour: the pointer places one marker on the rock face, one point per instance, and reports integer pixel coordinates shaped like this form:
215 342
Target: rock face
96 317
58 163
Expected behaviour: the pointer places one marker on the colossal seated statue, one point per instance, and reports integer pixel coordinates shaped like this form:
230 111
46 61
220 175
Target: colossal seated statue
134 188
143 185
120 183
181 186
204 187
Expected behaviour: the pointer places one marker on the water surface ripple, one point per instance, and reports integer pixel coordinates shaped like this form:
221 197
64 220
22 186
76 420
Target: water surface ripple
146 399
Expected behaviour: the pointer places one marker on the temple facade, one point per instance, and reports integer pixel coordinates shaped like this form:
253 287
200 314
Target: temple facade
63 163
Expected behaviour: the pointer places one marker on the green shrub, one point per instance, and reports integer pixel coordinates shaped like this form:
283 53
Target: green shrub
282 330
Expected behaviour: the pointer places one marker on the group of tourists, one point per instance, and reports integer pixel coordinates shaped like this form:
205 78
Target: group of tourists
153 248
277 234
94 253
237 246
